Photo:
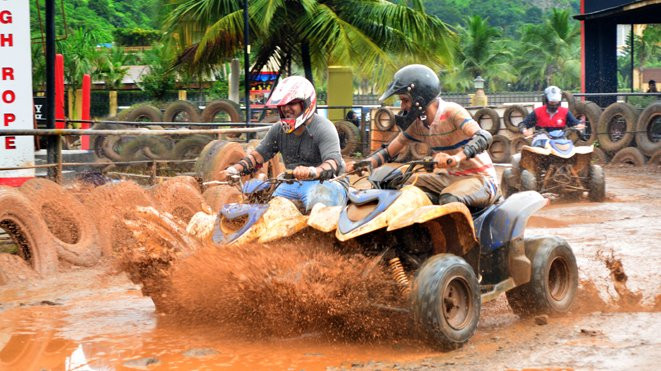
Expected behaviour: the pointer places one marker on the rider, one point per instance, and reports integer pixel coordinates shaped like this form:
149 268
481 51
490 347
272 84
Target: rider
550 116
309 145
459 144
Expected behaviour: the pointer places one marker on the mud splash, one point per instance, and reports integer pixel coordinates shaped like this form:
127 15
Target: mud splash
281 290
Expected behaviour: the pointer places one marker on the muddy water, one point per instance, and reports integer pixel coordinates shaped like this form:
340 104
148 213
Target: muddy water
89 319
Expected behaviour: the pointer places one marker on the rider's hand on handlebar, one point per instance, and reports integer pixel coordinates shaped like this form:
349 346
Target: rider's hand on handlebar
580 127
227 174
303 173
528 132
444 160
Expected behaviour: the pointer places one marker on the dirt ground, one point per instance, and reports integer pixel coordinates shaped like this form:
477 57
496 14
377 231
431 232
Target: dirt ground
94 319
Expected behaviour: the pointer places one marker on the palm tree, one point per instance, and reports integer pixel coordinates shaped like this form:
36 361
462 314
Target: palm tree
549 53
110 67
480 52
361 33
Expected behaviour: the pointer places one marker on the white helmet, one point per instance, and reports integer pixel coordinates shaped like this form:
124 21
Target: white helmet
552 97
294 89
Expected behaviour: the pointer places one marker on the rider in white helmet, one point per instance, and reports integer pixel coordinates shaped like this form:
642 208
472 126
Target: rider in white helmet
309 145
550 116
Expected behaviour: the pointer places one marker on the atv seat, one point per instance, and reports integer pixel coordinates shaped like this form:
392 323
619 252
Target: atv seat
475 211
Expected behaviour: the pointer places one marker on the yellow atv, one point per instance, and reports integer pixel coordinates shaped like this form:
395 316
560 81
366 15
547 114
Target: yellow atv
448 261
555 165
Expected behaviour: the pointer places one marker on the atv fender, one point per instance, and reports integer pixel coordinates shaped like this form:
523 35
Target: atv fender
223 234
379 207
324 218
506 222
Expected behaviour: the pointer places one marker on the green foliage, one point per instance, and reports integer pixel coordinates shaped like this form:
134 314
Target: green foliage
219 90
135 36
160 77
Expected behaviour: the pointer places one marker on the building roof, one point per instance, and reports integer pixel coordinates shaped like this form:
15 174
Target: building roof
638 12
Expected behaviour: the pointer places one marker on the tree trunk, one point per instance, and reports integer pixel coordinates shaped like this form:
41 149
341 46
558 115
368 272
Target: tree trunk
307 64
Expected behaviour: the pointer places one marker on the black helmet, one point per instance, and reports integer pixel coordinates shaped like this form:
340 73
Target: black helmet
421 83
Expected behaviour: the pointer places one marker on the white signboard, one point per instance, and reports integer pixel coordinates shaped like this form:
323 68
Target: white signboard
15 91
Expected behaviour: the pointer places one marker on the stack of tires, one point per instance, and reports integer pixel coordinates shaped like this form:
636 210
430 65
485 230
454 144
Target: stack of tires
175 147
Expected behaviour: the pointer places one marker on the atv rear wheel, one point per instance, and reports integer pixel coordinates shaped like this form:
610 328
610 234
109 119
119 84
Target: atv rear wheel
597 185
446 301
528 181
553 282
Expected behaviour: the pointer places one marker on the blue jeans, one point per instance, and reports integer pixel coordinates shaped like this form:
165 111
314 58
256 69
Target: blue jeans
311 192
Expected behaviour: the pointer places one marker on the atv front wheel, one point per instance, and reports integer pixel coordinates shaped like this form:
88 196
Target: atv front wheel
446 301
505 188
597 186
528 181
553 282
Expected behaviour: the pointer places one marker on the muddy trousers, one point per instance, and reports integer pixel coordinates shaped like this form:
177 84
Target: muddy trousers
310 192
476 192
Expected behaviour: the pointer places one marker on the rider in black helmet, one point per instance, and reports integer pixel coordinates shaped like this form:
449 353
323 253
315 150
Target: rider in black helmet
457 141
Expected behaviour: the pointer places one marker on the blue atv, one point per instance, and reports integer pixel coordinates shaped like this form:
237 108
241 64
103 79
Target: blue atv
448 260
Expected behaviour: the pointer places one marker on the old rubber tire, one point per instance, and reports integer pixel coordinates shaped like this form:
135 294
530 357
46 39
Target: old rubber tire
222 106
616 127
145 113
553 282
419 150
20 219
98 142
111 204
218 196
206 155
349 137
499 150
145 148
528 181
591 112
518 143
505 188
445 301
69 223
513 115
190 147
655 159
628 156
180 197
174 109
488 119
384 119
569 98
218 158
597 184
599 157
648 129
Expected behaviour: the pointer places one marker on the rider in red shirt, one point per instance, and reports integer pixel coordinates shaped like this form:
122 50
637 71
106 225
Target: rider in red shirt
550 116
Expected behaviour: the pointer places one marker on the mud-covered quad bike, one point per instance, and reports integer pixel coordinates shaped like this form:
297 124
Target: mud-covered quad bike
555 166
448 260
262 217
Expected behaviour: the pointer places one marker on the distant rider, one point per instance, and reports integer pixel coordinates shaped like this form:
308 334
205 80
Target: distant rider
550 116
309 145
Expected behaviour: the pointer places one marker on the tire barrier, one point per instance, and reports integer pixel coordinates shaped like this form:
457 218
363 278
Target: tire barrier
145 113
146 148
216 157
513 115
220 195
181 111
499 150
616 127
189 148
599 157
569 98
384 119
518 143
67 221
590 112
19 218
655 159
112 204
222 106
180 196
648 129
628 156
349 137
488 119
100 143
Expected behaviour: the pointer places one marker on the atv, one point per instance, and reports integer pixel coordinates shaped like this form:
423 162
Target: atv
556 166
448 260
261 217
